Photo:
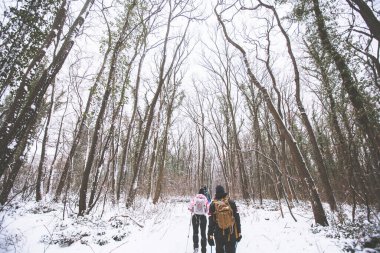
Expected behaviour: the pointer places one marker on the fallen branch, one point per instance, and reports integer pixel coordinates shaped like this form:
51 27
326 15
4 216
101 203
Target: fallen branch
127 216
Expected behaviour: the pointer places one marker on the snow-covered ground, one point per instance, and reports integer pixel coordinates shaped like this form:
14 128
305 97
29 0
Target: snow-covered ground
162 228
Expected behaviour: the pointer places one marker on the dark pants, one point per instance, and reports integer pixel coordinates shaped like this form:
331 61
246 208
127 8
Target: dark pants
225 242
199 221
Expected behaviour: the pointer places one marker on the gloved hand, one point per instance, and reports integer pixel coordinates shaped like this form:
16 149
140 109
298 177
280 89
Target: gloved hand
210 240
239 237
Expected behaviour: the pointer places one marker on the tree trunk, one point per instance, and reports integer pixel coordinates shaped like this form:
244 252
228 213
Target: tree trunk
36 96
364 110
153 158
81 123
319 213
111 78
28 116
316 151
91 155
8 185
99 163
120 174
163 75
7 132
258 145
368 16
162 162
41 169
244 180
48 183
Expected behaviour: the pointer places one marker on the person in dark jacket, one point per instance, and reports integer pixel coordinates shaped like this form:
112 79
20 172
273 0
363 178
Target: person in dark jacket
225 239
206 193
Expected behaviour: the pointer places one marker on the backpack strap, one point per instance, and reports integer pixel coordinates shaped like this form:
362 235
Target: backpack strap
236 232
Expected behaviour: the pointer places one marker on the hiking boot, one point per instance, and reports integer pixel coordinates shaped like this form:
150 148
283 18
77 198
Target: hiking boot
196 250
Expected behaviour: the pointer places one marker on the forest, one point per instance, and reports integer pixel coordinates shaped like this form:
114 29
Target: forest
111 101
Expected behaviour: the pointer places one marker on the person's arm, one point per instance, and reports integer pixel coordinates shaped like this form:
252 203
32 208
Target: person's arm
211 225
236 216
191 205
211 220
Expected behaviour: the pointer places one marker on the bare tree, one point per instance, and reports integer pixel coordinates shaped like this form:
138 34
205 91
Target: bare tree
23 121
225 75
80 125
176 10
124 35
170 96
364 109
40 170
367 14
305 119
319 213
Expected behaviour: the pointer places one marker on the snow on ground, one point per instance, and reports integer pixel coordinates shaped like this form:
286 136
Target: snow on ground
162 228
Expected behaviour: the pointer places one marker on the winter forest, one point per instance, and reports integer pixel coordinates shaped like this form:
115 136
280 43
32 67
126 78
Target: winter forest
122 108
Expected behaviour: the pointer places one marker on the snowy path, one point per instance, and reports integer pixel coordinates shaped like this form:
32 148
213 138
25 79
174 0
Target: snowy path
166 230
263 231
166 233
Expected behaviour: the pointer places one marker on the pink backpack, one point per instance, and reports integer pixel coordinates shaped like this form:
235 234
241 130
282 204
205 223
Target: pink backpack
200 204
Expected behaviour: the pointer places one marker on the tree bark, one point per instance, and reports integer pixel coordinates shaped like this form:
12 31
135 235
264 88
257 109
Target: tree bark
41 169
48 183
162 162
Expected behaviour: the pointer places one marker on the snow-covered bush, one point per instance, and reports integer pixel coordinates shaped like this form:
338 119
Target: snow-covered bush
8 240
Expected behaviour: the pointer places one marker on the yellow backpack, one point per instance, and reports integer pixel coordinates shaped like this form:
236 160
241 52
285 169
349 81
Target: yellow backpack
224 214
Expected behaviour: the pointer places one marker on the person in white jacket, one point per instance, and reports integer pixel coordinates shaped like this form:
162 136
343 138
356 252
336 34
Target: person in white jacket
199 209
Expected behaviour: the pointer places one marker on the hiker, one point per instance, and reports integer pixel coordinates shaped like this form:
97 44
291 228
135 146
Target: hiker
206 193
199 209
224 223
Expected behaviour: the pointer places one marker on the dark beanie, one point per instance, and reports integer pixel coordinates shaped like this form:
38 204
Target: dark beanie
219 192
202 191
